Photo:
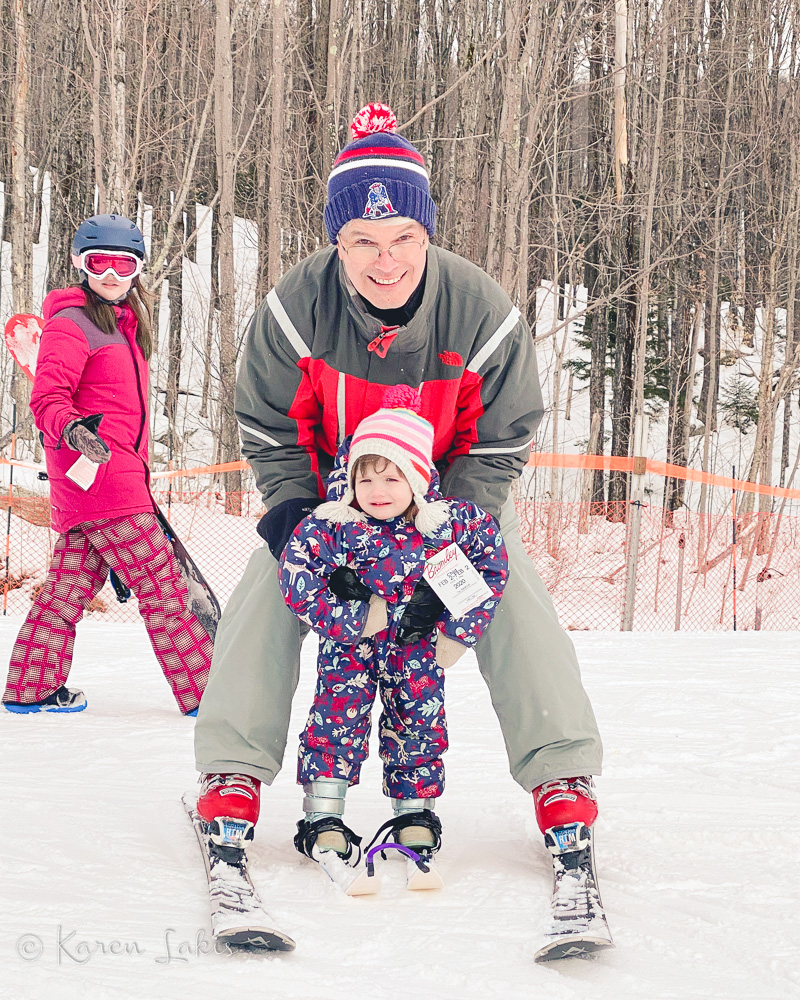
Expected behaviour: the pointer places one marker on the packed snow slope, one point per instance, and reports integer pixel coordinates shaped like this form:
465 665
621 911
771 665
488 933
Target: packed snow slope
102 892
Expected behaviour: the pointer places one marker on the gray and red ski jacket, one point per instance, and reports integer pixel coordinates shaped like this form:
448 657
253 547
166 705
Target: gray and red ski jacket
316 363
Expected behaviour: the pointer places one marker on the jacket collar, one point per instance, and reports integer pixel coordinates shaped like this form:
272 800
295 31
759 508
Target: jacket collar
416 334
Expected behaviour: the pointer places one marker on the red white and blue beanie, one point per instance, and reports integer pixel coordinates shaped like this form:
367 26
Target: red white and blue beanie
400 434
379 175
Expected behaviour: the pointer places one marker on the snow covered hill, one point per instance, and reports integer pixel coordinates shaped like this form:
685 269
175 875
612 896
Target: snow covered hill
102 894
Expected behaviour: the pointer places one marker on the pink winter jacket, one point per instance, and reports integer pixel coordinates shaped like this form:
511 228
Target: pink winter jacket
80 372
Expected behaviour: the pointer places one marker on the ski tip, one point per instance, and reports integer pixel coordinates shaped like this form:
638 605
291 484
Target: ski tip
256 939
418 880
189 800
364 885
569 947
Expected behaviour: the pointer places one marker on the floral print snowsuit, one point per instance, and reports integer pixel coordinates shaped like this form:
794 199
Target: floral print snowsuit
389 557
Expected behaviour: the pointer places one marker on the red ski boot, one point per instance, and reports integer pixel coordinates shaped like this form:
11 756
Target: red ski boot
565 800
229 805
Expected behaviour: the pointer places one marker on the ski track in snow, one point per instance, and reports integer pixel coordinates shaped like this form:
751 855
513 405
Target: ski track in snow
696 843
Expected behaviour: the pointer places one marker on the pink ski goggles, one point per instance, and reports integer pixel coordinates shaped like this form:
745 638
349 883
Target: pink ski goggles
122 265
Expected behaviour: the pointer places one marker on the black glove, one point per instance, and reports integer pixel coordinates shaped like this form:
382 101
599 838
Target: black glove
81 435
344 582
421 614
277 525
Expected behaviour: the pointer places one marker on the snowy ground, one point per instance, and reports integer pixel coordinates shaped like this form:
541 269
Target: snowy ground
102 893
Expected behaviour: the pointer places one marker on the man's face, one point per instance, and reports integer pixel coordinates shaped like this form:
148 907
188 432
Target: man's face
385 282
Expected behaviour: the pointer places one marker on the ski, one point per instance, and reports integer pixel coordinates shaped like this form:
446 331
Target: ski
424 875
421 873
577 922
238 917
352 880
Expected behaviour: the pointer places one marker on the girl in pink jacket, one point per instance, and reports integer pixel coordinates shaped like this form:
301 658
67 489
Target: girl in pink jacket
89 402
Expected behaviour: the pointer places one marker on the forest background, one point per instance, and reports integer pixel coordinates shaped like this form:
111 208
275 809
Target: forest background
639 158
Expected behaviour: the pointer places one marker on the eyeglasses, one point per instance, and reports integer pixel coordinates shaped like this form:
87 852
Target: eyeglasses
403 251
122 265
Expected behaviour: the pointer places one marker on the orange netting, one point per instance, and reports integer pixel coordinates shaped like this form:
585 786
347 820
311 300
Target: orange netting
684 572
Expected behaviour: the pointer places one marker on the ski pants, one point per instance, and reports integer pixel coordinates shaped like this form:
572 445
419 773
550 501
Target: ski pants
526 658
413 730
138 551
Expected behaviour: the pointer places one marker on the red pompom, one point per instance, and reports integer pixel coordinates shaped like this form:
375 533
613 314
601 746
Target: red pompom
402 397
373 118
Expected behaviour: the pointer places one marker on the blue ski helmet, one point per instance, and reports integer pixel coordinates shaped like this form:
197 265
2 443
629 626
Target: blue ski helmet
108 232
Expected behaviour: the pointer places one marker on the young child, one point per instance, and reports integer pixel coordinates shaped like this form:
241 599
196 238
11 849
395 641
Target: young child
367 646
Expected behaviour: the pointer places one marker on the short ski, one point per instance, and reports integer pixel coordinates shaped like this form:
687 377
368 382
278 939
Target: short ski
353 880
421 873
577 923
238 917
418 878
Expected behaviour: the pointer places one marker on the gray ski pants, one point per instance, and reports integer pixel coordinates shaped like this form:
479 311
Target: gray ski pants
526 658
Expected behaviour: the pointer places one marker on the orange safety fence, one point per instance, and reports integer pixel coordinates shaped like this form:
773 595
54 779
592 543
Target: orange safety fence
684 571
614 463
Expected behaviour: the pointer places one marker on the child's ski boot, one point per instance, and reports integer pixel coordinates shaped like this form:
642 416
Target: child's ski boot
337 850
415 832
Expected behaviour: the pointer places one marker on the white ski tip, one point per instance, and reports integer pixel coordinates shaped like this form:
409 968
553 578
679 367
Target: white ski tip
364 885
352 881
418 879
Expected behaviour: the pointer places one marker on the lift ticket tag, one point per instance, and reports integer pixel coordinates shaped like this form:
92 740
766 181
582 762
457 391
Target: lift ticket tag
459 585
82 472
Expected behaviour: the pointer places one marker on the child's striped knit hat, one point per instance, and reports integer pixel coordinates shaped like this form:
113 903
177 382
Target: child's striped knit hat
400 434
378 176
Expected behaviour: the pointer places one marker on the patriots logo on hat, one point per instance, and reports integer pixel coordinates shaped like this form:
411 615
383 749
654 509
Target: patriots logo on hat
378 204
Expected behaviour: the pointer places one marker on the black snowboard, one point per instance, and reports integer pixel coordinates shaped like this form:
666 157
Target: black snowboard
203 602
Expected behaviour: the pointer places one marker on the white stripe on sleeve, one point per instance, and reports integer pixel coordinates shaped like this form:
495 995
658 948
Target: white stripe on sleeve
501 451
288 327
494 341
259 434
341 409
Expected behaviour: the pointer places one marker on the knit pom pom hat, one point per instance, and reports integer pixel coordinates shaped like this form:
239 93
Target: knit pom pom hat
398 433
379 175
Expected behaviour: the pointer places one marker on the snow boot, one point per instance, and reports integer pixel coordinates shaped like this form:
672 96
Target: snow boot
62 700
565 801
229 805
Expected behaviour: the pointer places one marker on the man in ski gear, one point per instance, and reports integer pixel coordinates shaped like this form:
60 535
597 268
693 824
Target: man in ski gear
381 307
399 523
89 401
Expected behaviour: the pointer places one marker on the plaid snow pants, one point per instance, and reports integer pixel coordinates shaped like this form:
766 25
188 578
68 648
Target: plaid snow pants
135 547
413 728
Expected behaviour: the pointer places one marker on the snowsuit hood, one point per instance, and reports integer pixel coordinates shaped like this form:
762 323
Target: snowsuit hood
337 489
389 557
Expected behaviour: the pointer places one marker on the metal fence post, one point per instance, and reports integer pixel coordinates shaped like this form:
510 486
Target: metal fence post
679 594
635 521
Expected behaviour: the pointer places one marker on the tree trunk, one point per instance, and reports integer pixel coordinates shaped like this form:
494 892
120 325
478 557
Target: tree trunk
226 174
276 143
